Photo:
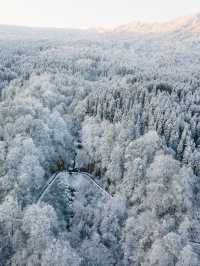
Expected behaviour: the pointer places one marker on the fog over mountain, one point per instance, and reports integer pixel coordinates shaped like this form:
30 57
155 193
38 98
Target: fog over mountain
100 145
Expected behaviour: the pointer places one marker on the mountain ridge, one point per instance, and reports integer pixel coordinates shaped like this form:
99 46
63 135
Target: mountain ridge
183 24
186 23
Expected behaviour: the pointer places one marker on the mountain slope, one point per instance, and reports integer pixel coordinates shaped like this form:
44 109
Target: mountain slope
188 23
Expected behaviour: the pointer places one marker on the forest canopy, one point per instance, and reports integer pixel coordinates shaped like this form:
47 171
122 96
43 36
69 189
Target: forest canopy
124 108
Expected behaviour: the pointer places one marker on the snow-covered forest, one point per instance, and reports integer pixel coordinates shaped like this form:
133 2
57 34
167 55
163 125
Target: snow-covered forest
122 107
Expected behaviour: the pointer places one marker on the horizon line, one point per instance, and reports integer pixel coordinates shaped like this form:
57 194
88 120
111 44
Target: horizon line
100 27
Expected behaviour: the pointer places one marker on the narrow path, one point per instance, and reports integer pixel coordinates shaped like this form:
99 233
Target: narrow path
91 179
46 187
54 177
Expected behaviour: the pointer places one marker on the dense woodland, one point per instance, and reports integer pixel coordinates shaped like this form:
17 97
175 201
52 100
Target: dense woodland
122 107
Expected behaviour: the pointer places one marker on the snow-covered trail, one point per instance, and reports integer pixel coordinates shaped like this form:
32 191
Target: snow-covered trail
55 176
47 187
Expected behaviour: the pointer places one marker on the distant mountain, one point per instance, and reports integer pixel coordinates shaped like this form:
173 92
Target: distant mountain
188 23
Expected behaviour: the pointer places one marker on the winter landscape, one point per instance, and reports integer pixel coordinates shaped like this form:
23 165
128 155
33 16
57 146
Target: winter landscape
100 145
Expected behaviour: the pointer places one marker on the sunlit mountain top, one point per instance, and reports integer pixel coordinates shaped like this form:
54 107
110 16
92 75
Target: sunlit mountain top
187 23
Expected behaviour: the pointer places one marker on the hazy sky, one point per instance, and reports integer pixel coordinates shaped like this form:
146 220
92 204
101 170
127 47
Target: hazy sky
92 13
